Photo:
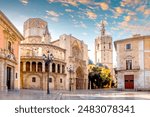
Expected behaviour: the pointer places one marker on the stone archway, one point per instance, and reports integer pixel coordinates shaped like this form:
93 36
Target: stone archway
79 78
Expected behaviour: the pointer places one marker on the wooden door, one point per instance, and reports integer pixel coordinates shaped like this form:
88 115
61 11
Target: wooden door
129 81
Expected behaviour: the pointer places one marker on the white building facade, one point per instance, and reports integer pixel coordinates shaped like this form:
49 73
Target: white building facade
133 66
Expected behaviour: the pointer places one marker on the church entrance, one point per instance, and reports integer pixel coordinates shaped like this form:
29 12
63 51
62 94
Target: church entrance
129 81
8 78
79 79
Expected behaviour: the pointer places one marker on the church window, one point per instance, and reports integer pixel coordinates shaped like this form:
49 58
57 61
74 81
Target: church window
63 69
50 79
39 67
76 52
128 64
109 45
98 46
21 66
27 66
60 80
33 66
58 68
9 46
16 75
128 46
33 79
53 67
46 67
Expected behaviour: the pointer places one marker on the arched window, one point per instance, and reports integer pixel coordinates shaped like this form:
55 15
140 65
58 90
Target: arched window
33 79
9 46
61 80
98 46
34 66
27 66
46 67
39 67
50 79
53 67
58 68
63 69
21 66
109 45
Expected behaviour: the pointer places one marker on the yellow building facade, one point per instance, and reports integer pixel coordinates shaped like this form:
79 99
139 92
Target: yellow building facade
9 55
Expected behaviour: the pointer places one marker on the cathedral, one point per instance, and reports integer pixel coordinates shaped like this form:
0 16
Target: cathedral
67 71
104 49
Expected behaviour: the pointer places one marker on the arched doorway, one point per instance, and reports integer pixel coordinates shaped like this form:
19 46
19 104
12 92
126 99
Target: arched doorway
79 78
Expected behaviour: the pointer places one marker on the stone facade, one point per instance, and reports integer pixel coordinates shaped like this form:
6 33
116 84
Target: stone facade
9 55
104 49
133 68
67 50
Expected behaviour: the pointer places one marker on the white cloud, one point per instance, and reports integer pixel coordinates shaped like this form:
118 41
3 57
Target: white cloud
71 2
82 25
91 15
68 10
104 5
134 28
52 13
83 1
127 18
119 10
55 19
147 12
141 8
24 1
130 2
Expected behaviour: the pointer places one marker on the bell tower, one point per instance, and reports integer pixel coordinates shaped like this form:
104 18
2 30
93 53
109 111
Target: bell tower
103 48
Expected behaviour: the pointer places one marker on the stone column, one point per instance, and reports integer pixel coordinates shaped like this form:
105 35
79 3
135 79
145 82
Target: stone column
4 86
13 76
2 76
50 67
30 66
24 66
36 66
61 68
43 66
55 68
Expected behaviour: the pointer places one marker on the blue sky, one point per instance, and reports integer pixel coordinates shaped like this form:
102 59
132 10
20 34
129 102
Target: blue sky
81 18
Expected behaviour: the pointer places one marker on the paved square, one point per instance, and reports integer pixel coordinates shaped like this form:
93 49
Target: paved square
75 95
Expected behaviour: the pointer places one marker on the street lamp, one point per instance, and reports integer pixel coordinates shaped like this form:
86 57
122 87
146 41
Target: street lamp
48 59
70 69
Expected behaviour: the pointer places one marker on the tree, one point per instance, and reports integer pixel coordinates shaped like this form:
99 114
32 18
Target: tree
99 77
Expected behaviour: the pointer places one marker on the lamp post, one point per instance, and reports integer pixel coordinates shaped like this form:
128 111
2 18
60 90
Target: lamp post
48 59
70 69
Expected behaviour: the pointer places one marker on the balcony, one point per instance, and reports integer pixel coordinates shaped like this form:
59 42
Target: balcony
134 68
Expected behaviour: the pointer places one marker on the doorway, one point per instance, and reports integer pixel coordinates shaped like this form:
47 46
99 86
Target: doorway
8 78
129 81
79 79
